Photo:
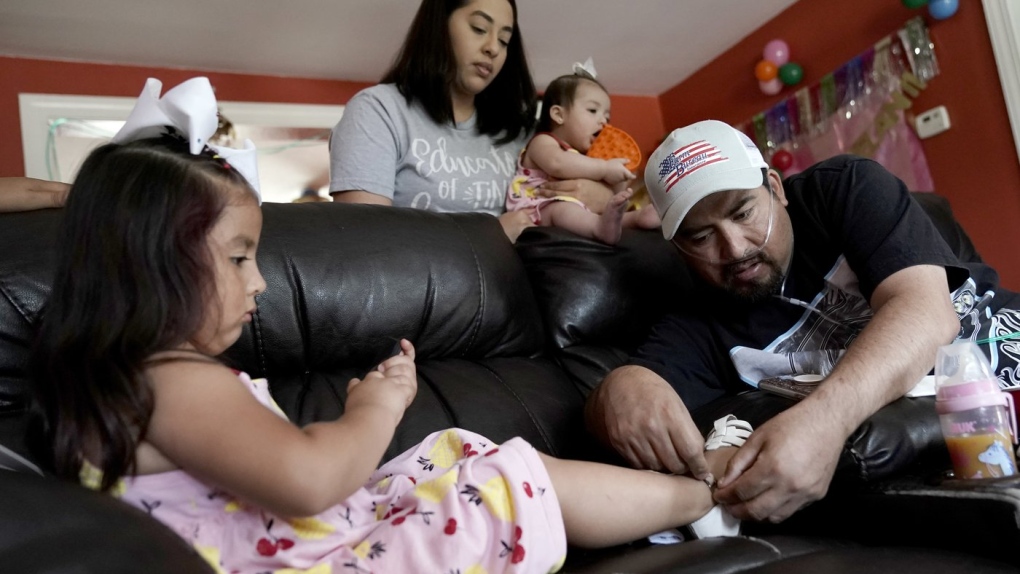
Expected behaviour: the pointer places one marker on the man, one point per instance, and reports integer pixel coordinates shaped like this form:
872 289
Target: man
836 271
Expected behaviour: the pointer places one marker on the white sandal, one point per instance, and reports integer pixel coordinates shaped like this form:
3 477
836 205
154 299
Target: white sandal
727 431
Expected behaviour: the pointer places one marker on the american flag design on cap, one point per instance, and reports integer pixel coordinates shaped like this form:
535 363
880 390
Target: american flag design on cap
687 160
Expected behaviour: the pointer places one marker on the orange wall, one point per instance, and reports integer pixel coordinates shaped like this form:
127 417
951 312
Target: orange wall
974 164
639 116
60 77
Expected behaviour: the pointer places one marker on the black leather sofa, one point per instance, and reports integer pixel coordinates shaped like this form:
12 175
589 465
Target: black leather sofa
510 340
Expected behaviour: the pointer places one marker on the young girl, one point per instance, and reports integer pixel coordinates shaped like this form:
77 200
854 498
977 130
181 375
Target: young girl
575 108
156 278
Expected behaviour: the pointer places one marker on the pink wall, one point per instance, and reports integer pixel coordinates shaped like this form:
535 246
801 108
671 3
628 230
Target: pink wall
974 164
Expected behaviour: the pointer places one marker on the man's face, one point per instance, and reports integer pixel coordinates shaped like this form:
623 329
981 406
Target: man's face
740 241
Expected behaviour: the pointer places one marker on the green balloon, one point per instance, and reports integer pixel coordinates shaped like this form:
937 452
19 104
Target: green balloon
791 73
913 4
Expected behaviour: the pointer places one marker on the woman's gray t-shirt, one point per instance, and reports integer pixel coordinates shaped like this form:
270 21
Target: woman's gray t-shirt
383 146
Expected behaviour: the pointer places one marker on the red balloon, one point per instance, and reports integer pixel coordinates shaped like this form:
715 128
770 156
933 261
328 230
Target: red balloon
782 160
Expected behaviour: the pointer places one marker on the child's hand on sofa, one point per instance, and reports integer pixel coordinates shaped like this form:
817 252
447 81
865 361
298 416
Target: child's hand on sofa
392 385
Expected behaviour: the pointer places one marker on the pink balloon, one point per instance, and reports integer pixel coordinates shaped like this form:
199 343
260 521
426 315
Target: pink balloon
777 52
771 87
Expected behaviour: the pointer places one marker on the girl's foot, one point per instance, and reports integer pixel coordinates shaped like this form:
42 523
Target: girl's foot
727 434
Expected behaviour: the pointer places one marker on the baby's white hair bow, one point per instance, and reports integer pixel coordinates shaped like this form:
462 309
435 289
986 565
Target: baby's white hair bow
585 69
189 108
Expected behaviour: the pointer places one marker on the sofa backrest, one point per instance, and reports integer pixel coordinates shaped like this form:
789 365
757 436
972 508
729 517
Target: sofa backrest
509 339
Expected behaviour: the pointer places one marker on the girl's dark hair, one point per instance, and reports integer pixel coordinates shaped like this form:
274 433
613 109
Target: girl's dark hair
425 70
132 279
560 92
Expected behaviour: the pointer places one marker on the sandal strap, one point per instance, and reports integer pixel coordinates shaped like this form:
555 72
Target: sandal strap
727 431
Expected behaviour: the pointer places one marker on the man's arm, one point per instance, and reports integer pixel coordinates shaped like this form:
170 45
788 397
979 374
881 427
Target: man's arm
636 412
789 461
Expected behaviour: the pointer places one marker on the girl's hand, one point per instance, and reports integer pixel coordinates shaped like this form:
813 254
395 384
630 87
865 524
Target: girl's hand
391 386
616 171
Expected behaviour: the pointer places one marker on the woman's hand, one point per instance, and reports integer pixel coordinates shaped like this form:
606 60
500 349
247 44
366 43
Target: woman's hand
390 386
27 193
593 194
514 222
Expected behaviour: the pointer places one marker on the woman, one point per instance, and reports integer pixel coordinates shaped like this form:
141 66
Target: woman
444 128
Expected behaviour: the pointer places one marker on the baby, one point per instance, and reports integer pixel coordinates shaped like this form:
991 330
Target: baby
575 108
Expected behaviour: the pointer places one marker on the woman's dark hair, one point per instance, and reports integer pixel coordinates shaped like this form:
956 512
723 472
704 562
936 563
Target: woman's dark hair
425 70
561 92
132 279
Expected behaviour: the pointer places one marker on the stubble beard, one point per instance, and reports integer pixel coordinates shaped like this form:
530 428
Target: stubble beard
756 291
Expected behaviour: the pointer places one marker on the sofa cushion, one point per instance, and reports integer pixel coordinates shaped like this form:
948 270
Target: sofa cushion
592 293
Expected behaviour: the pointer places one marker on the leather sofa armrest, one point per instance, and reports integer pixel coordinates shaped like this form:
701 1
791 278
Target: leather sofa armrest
903 435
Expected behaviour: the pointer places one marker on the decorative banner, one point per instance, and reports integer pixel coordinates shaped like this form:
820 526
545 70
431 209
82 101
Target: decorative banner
858 108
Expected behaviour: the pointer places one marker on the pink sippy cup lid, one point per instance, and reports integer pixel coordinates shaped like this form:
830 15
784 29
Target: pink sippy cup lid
969 395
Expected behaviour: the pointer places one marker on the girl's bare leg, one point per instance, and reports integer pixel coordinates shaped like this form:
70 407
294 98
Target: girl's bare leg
605 505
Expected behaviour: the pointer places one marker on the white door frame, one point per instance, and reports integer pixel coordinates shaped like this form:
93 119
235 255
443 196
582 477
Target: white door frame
39 110
1003 18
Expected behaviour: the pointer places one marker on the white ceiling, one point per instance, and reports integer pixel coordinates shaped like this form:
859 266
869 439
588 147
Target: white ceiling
640 47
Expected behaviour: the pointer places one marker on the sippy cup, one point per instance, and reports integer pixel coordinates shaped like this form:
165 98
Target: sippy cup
977 417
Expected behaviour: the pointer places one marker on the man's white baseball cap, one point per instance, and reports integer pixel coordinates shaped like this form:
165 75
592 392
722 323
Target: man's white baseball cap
697 161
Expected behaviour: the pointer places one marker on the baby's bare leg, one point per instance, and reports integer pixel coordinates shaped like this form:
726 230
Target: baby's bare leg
643 218
573 217
604 505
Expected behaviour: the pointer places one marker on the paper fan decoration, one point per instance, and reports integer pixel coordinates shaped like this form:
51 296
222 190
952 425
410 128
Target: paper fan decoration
614 142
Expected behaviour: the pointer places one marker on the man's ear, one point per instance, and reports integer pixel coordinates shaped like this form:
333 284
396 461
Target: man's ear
776 183
556 113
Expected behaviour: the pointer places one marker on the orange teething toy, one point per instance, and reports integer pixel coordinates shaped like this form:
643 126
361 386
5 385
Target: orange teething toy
614 142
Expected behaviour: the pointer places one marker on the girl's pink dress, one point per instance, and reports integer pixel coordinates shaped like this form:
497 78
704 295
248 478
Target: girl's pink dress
455 503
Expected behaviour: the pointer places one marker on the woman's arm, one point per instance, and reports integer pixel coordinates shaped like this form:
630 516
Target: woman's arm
357 196
26 193
364 148
593 194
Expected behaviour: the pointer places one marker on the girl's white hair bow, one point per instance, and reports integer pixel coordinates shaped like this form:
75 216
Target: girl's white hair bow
189 108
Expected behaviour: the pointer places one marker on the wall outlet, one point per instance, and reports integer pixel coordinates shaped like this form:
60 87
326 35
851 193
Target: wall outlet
932 122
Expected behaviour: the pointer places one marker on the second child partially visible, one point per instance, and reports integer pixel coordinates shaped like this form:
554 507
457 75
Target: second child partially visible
575 108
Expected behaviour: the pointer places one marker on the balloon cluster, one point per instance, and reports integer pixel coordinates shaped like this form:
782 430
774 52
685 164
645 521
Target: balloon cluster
939 9
776 70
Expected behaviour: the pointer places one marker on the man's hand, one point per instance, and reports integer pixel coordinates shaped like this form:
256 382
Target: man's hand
593 194
637 413
515 222
785 464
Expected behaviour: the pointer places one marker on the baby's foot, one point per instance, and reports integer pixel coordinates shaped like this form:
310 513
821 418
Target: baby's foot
647 218
644 218
610 224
